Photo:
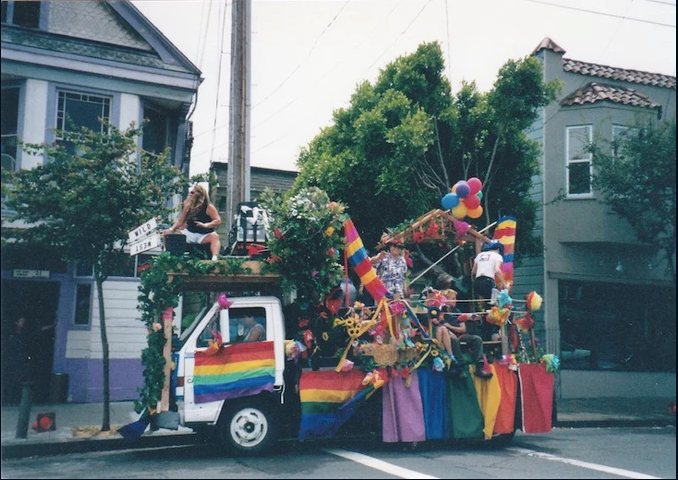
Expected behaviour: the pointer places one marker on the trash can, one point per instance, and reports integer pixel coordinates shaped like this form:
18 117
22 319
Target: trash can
59 390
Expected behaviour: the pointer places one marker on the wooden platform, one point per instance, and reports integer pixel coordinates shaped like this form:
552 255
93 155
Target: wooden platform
214 281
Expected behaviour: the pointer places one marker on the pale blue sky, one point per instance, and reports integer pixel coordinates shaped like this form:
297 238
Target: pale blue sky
308 56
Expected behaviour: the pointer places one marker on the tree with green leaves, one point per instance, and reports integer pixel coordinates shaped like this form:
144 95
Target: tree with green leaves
404 141
637 178
92 189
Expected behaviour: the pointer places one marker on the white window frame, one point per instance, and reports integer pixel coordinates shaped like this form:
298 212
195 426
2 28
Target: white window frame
61 113
582 157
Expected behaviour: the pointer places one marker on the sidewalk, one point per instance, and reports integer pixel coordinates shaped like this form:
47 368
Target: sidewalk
74 418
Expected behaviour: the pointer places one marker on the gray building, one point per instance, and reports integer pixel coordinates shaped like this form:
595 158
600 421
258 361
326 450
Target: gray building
609 302
80 61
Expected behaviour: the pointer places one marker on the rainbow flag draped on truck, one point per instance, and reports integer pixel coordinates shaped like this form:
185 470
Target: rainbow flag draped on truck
234 371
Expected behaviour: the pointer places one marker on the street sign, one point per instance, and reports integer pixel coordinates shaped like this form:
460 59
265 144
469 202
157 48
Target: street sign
146 243
142 231
24 273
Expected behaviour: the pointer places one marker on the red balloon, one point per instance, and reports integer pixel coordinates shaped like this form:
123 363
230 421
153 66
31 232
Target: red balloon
475 184
471 202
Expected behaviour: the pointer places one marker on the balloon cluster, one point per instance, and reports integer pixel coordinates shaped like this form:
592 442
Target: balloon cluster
464 199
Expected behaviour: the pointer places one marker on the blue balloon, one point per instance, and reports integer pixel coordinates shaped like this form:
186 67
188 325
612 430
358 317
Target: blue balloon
450 201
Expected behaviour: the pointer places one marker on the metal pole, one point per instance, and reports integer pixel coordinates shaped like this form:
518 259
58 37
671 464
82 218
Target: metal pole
24 410
445 256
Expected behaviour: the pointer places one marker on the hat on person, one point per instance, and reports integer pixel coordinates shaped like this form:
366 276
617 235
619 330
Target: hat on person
494 245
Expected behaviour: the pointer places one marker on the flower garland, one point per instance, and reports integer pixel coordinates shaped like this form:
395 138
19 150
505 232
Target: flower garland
156 294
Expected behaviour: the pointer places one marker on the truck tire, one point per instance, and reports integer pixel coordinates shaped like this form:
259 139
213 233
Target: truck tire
247 428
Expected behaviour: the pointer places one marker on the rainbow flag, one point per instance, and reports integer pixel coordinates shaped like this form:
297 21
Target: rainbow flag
234 371
505 233
323 395
360 261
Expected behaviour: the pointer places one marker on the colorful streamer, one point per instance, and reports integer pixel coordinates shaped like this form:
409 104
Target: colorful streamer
360 261
505 233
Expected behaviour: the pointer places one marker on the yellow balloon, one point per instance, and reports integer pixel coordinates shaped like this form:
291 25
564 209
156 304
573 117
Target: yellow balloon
476 212
454 188
459 212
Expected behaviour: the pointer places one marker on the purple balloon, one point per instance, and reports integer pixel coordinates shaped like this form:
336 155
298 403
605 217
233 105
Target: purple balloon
463 190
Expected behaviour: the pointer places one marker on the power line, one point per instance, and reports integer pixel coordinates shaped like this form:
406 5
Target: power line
600 13
401 34
303 61
663 3
449 45
305 91
221 56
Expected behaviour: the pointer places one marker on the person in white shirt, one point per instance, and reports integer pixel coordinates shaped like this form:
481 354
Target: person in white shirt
487 270
487 275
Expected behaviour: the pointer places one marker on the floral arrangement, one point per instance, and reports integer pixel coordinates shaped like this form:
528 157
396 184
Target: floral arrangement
305 244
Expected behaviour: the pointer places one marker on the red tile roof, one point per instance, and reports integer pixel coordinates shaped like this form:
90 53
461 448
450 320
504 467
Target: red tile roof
604 71
548 44
622 74
596 92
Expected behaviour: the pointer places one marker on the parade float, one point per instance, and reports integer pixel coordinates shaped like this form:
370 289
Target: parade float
331 365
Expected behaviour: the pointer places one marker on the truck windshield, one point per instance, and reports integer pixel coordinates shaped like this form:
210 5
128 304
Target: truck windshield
186 333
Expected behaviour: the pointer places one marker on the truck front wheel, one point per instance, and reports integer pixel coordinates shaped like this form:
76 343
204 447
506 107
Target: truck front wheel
247 429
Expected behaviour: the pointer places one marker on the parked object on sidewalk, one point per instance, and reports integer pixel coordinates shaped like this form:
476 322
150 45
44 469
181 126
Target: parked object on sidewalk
45 422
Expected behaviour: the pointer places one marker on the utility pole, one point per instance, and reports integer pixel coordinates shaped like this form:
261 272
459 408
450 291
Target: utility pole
238 175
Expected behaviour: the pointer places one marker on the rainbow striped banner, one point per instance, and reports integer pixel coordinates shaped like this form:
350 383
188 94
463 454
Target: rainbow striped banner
505 233
360 261
234 371
322 395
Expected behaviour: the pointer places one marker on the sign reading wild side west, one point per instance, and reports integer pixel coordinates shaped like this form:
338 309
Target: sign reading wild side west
143 230
144 237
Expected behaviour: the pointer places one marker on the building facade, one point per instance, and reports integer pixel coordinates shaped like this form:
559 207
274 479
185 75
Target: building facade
609 301
67 64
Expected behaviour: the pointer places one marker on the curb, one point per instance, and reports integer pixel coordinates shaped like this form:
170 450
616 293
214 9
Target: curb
23 450
617 423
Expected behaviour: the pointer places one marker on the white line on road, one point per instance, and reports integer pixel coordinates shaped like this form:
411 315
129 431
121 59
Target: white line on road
377 464
579 463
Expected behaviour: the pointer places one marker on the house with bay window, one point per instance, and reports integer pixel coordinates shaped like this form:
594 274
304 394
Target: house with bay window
67 64
609 301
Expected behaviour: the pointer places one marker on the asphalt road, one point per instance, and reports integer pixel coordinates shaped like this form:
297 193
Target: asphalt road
562 453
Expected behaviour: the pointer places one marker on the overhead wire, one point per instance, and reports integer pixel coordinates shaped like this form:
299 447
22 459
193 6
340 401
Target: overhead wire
305 91
221 36
303 61
401 34
541 2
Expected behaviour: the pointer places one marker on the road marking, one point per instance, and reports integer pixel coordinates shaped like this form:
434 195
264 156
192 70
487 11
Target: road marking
579 463
377 464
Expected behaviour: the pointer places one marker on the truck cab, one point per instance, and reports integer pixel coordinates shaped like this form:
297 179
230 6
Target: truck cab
203 372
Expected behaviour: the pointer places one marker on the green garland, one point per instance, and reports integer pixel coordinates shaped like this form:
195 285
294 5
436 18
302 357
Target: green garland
156 294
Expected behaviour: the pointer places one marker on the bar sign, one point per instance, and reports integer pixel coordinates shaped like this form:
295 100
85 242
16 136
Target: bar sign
145 244
143 230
